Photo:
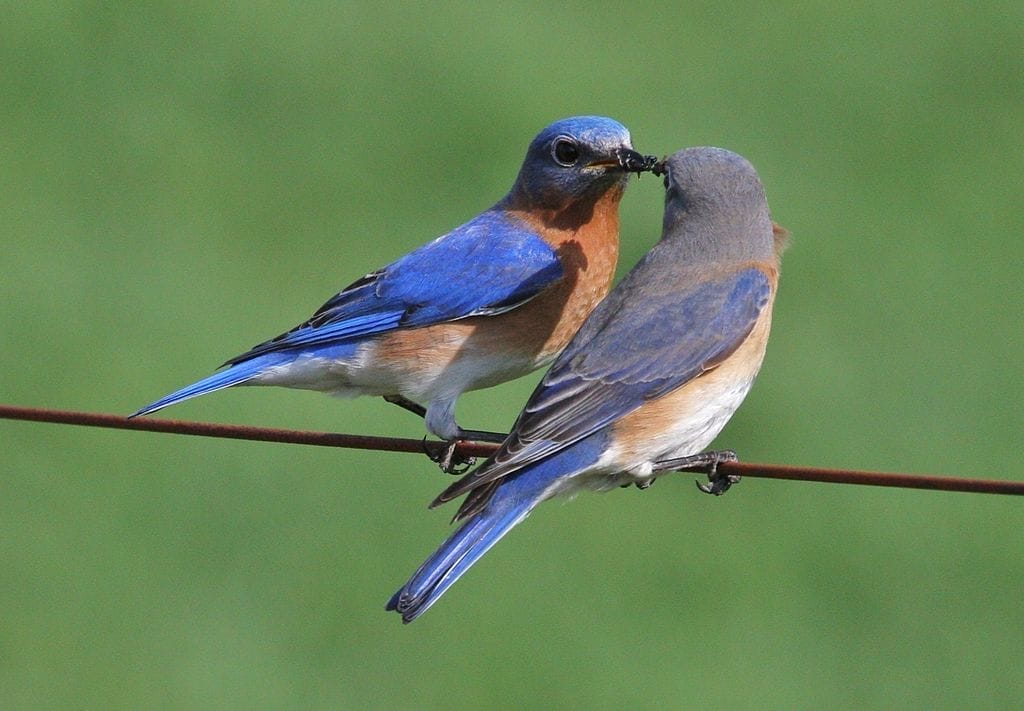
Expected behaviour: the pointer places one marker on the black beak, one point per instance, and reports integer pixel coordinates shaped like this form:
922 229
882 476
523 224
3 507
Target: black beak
633 162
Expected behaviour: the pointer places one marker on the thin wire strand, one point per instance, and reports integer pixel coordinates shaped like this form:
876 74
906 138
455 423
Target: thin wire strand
481 449
258 434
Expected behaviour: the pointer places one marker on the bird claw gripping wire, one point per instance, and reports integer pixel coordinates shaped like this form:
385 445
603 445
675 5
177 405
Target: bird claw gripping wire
446 457
706 462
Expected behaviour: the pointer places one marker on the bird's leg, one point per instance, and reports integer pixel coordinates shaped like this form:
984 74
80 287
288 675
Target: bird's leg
406 404
446 458
706 462
417 409
443 456
482 436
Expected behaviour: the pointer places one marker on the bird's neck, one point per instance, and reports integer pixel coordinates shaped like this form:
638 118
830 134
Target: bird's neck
584 221
566 213
587 244
705 239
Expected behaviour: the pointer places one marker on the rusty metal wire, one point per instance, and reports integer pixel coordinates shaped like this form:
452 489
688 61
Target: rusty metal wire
479 449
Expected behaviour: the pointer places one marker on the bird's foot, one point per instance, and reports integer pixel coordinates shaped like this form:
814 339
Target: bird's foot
453 463
706 462
444 455
718 484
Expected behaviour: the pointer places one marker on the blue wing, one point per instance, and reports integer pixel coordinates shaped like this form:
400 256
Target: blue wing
639 344
491 264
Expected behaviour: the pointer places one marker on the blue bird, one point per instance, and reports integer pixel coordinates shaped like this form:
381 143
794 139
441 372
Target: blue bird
488 302
649 380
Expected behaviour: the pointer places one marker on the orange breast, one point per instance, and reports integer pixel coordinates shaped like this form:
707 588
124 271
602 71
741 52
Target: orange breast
686 420
587 242
486 350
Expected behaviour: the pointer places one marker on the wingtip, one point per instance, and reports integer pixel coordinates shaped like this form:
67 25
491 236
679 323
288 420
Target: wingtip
456 489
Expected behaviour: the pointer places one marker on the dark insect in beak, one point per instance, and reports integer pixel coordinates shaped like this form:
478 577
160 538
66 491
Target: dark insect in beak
633 162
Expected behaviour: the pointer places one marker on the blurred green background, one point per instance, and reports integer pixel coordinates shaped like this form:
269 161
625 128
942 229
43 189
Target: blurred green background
180 181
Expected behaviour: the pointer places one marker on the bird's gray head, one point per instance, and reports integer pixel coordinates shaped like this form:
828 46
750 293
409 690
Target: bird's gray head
714 198
577 158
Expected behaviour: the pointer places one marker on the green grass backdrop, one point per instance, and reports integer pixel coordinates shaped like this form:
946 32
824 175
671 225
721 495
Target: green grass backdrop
180 181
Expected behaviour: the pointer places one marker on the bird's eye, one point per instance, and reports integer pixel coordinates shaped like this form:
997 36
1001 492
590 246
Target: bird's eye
565 151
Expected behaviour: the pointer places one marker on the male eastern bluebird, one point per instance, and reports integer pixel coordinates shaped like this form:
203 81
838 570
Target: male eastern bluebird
649 380
488 302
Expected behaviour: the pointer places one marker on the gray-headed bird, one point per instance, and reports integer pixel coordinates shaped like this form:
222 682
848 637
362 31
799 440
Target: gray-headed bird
649 380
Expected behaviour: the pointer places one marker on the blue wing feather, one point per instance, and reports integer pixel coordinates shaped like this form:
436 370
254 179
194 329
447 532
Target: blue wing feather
491 264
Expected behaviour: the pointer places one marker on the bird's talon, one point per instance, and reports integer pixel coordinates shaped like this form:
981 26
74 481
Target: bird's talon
718 484
706 462
447 459
459 466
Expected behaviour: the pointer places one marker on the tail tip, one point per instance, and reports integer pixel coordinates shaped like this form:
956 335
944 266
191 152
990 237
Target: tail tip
148 409
408 607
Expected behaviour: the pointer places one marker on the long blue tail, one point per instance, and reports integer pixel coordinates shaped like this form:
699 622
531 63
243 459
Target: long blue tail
513 501
233 375
457 554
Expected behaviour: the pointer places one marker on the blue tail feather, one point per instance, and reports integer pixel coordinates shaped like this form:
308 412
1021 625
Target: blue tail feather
464 548
233 375
513 501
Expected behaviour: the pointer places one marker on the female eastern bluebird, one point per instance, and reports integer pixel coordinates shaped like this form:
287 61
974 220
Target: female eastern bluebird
488 302
651 378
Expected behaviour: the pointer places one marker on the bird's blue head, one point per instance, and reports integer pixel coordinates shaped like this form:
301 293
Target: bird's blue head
578 158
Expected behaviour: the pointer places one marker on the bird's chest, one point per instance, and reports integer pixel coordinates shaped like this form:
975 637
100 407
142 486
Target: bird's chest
685 421
589 254
483 351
